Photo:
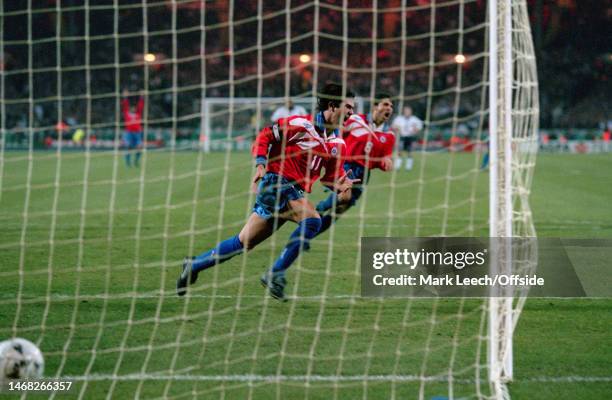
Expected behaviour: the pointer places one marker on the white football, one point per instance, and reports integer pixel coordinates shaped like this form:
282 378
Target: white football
20 359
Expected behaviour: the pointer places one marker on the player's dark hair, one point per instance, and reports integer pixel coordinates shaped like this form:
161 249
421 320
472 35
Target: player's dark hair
331 94
381 96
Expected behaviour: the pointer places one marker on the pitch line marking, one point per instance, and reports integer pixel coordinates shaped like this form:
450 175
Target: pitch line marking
119 296
321 378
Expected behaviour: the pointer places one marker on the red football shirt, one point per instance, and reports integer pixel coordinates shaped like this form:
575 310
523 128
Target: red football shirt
298 151
386 139
132 119
367 143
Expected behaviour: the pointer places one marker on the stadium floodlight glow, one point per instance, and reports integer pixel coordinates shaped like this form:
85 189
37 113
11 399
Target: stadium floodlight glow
149 57
180 201
460 59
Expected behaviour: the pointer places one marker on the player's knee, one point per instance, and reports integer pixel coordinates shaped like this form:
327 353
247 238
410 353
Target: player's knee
247 243
308 214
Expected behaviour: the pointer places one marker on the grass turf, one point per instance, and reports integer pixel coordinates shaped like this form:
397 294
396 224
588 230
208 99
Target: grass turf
99 245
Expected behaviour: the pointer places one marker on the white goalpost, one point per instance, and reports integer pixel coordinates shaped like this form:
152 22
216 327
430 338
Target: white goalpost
513 110
500 183
93 239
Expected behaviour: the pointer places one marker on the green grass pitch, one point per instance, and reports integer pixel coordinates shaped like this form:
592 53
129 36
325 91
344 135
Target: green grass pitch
137 224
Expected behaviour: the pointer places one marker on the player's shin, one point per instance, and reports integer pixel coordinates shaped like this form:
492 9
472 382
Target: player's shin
298 241
326 221
222 252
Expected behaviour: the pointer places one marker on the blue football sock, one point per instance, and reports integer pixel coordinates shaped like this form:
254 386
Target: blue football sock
326 222
223 252
485 161
137 158
128 159
328 203
299 239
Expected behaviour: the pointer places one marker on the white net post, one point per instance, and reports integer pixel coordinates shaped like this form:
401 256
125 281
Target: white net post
513 124
500 184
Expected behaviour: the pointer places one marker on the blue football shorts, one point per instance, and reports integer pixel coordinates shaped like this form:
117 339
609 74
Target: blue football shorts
274 194
132 140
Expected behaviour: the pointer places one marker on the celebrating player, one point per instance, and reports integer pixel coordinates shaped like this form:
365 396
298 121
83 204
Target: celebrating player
133 128
370 143
295 151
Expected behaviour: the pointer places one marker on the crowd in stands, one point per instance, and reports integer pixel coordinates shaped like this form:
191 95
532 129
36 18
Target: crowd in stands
240 55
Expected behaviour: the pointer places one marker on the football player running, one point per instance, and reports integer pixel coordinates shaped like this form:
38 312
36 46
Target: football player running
290 156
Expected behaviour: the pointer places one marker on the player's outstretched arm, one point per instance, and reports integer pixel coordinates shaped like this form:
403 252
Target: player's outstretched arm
262 143
259 173
264 138
140 107
125 103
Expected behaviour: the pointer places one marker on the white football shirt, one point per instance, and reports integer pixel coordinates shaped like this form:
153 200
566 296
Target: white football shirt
406 127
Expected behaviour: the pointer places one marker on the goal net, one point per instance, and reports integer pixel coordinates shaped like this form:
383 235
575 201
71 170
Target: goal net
92 241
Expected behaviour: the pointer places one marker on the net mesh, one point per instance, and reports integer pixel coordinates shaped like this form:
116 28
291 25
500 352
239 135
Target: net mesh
91 248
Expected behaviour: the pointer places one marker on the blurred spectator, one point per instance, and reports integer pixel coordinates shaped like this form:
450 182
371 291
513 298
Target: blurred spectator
574 65
61 128
288 110
78 136
407 126
606 138
132 136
